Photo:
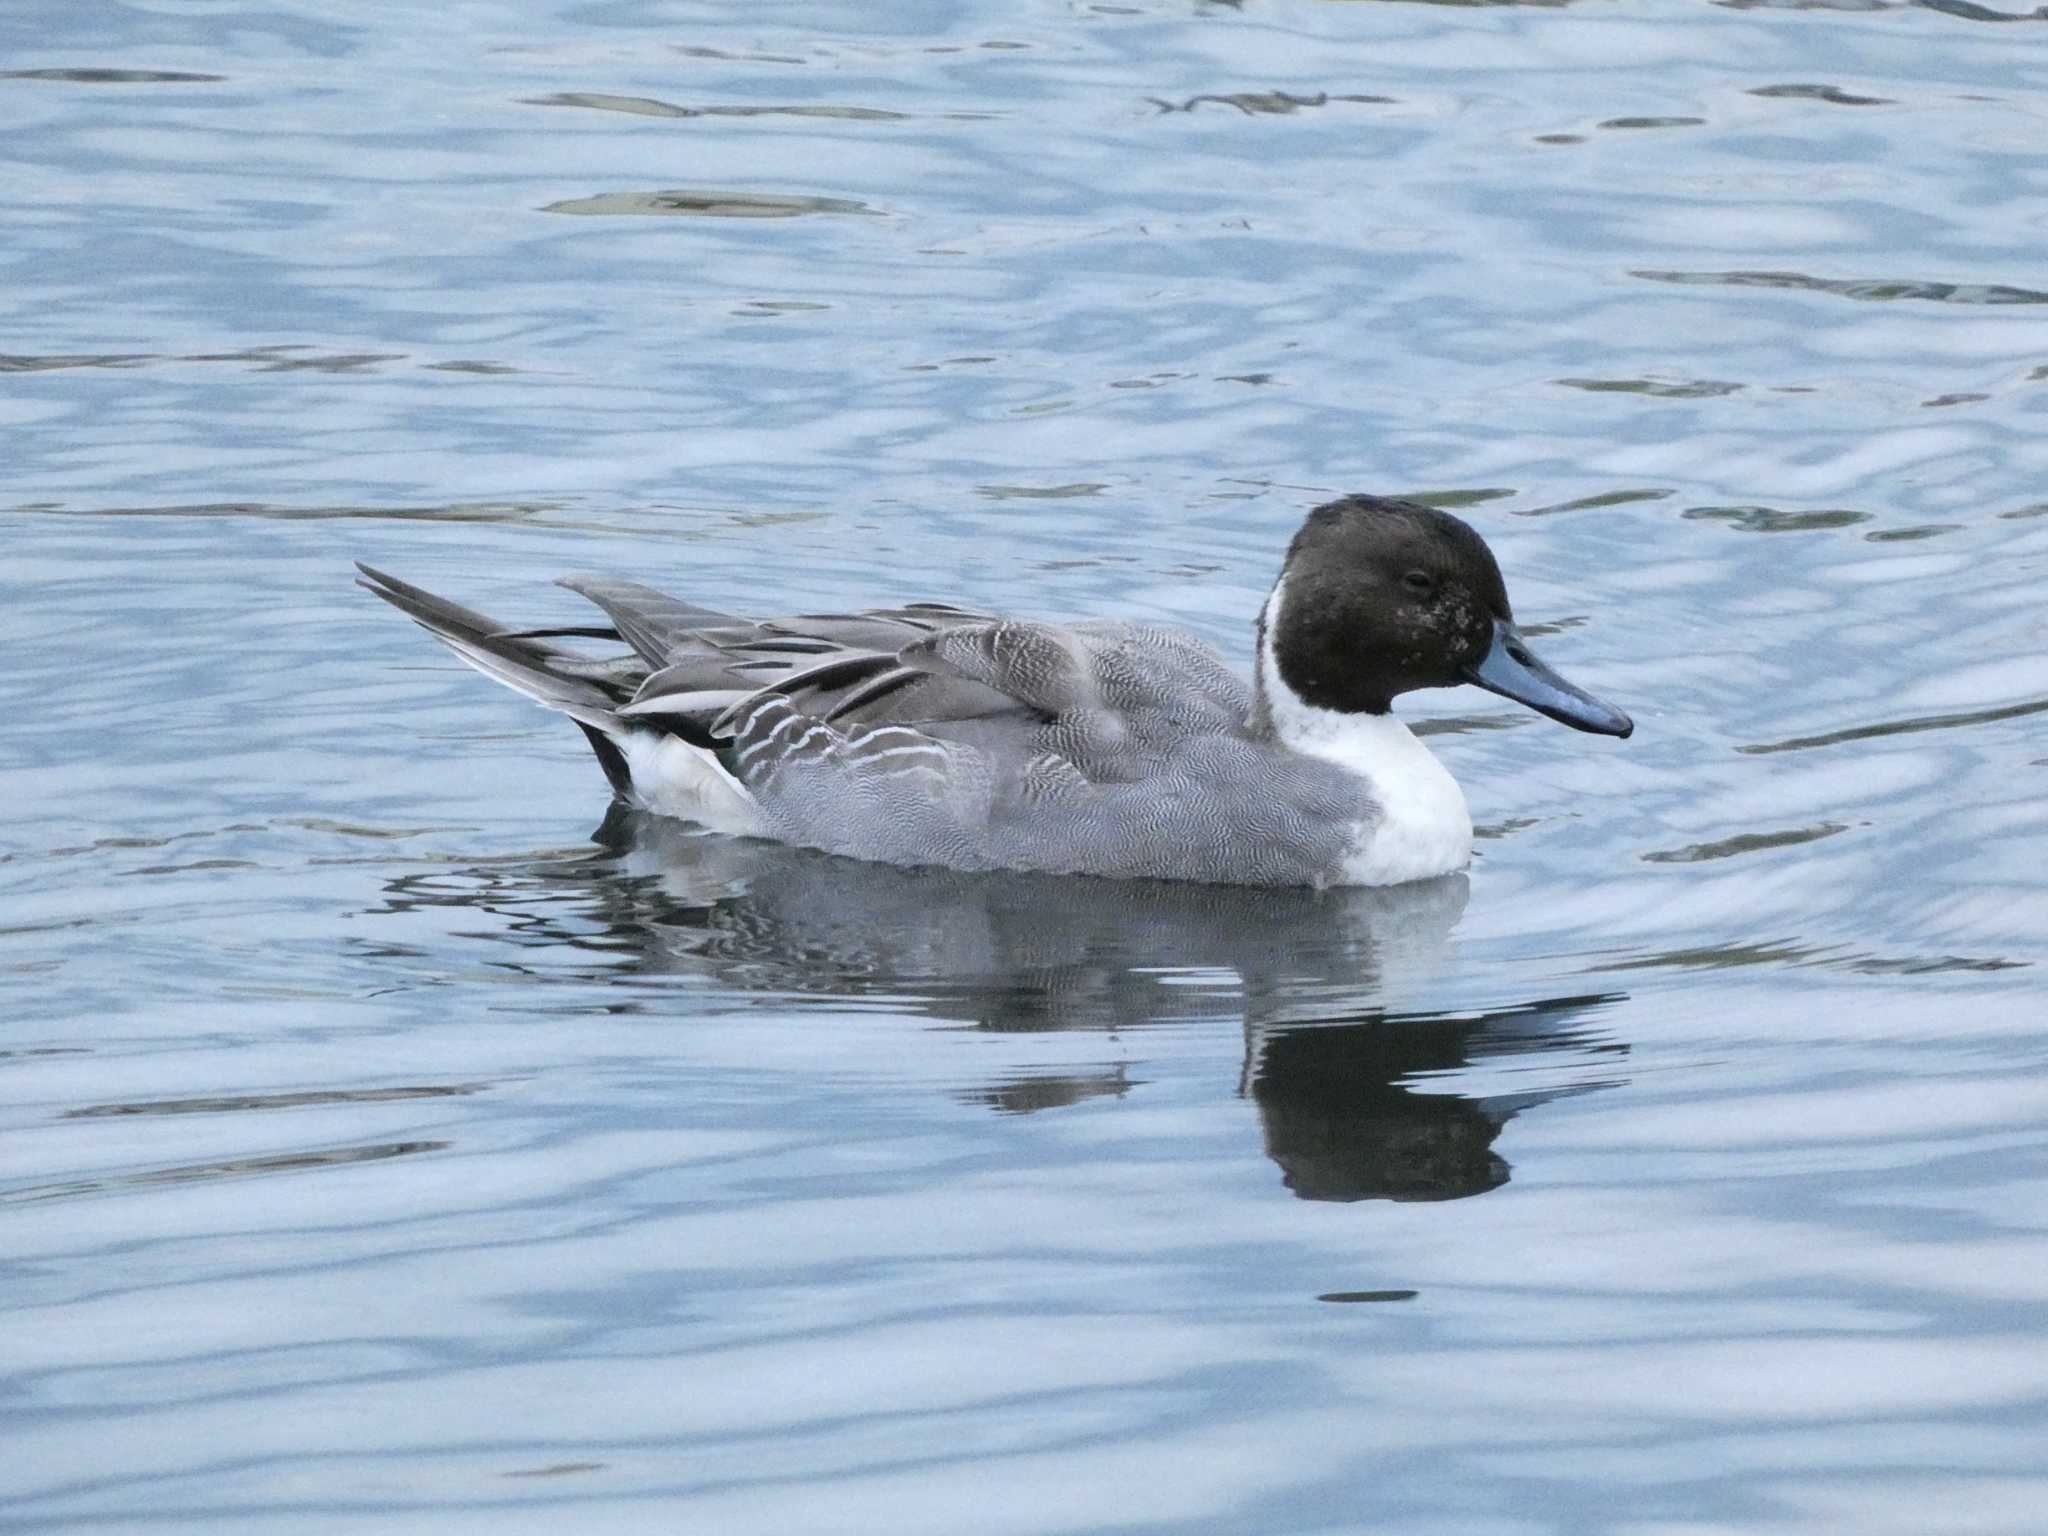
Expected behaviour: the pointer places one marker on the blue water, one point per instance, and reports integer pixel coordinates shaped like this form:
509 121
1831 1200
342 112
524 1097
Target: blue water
396 1141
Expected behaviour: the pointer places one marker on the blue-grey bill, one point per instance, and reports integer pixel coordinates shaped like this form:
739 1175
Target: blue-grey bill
1512 670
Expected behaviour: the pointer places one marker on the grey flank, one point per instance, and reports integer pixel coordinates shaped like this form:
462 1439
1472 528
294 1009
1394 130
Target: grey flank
934 735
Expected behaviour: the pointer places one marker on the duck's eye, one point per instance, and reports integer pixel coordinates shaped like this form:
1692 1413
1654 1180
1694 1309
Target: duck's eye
1421 583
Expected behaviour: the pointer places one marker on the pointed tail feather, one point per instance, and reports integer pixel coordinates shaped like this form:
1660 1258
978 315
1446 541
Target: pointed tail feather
545 674
662 764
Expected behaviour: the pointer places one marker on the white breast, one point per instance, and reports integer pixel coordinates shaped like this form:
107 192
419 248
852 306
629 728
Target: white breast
1425 827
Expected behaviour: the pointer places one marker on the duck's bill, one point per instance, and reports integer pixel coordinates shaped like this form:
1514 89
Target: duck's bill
1511 670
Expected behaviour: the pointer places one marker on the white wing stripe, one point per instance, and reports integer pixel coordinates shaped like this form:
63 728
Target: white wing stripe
768 740
867 759
876 731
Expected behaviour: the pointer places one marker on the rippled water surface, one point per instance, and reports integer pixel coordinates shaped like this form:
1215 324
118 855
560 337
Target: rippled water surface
388 1150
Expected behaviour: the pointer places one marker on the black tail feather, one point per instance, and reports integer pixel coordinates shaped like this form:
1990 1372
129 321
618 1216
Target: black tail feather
587 691
611 760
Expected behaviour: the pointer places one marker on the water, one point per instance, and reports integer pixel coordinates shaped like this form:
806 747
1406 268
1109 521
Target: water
387 1150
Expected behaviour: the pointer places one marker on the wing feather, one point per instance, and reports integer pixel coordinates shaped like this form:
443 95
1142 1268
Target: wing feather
652 622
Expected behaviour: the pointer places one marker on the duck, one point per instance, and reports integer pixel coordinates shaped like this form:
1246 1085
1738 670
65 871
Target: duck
934 734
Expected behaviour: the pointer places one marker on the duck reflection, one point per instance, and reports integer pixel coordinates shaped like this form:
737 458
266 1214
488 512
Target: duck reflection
1343 1118
1332 1073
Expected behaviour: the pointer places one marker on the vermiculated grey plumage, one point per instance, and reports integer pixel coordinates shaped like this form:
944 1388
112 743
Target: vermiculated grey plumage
935 735
1097 748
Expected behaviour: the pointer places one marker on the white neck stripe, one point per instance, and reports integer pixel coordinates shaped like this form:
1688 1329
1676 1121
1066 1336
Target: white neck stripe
1423 827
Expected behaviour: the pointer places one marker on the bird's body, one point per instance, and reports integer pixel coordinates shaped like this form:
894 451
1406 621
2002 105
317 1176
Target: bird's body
932 734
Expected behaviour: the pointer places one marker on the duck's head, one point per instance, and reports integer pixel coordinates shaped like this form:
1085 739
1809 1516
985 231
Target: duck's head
1379 597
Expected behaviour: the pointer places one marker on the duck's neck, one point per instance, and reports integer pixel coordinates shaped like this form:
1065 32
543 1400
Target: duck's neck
1422 827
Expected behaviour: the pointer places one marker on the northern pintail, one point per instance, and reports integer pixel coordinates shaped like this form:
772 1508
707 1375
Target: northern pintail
931 734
